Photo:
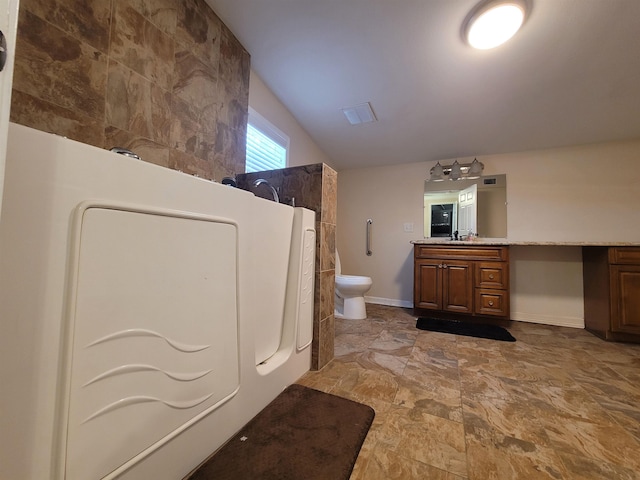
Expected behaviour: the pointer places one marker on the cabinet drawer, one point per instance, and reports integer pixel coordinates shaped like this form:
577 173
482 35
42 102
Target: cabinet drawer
492 275
492 302
624 255
462 252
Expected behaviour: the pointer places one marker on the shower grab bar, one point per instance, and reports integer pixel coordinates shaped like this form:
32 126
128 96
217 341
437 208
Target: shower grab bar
369 252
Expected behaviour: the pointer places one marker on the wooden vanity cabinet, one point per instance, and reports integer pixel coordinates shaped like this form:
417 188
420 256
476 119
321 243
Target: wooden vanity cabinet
612 292
462 279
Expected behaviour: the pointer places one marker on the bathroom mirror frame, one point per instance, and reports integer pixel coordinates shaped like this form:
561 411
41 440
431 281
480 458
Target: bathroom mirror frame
491 203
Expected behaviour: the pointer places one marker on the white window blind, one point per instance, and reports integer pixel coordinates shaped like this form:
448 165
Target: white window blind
267 147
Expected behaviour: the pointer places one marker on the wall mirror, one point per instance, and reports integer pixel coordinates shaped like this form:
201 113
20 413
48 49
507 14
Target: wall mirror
476 206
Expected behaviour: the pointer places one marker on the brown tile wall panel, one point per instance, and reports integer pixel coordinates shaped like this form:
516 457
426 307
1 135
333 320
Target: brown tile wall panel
329 195
327 292
56 68
199 29
162 13
141 46
164 78
86 20
137 105
327 341
45 116
328 246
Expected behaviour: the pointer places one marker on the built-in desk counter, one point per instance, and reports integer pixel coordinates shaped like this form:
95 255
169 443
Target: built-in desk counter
507 242
450 277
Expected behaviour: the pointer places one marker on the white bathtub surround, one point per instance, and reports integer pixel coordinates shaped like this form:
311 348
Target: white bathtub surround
147 314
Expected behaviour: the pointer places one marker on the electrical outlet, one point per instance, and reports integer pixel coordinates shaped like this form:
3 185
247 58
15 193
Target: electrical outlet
408 227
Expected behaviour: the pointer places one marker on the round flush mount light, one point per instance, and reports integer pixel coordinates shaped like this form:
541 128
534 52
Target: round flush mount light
494 22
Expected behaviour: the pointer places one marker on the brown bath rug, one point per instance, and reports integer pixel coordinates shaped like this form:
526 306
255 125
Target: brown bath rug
456 327
303 434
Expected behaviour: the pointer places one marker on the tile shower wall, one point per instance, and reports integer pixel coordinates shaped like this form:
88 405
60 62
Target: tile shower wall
314 187
164 78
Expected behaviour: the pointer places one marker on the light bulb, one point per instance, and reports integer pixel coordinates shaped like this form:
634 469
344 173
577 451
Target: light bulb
437 173
456 171
495 26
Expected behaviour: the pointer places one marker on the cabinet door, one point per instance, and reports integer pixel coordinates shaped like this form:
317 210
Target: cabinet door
457 286
427 284
625 298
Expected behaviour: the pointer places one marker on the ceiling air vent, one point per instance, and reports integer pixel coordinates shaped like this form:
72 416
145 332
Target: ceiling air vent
360 114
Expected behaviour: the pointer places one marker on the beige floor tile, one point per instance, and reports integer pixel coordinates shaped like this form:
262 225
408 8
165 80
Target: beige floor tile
609 442
559 403
485 418
392 361
582 468
386 464
512 459
441 398
426 438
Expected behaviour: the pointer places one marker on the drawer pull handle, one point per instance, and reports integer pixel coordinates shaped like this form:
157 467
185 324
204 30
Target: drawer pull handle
491 303
491 276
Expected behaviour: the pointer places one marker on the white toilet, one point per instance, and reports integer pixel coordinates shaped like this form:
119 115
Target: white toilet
349 297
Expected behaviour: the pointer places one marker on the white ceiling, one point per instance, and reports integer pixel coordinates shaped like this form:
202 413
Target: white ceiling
570 76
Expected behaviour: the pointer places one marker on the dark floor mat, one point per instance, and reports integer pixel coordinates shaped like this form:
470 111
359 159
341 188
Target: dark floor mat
456 327
302 434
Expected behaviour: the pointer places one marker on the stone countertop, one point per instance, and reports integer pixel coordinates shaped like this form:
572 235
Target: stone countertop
507 242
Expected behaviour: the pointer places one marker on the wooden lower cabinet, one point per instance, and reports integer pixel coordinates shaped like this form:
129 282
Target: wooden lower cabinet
612 292
461 279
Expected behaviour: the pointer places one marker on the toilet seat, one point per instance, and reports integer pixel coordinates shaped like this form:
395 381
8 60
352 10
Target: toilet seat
353 279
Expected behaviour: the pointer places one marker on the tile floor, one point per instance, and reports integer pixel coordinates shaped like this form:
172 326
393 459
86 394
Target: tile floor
559 403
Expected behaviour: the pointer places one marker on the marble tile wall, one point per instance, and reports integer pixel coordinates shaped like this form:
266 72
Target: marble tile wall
314 187
164 78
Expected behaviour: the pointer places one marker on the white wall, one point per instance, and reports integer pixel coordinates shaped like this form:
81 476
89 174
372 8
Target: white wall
302 149
574 194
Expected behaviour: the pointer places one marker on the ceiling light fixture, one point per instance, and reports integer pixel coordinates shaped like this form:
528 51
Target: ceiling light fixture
457 171
493 22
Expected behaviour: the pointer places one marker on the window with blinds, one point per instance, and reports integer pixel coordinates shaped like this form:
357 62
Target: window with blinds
267 147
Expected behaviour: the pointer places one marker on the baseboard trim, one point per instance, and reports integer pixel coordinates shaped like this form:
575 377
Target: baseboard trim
555 320
389 302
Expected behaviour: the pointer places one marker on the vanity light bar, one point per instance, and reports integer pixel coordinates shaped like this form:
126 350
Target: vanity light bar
456 171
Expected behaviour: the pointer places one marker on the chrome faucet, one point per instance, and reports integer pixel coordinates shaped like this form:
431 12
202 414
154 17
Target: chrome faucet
260 181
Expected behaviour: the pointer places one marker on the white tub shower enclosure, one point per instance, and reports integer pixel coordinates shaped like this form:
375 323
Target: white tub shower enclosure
147 315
